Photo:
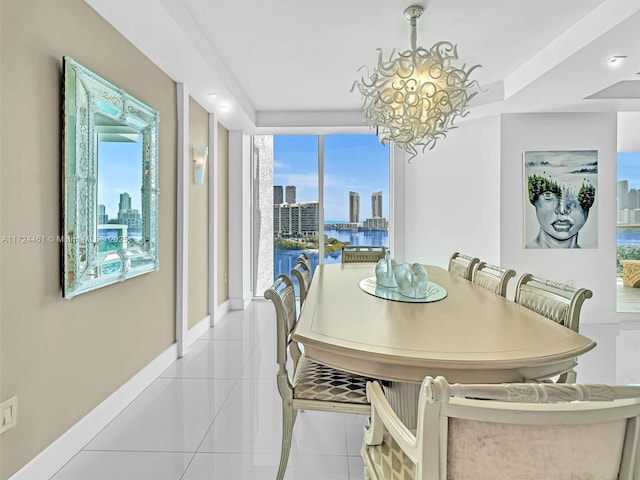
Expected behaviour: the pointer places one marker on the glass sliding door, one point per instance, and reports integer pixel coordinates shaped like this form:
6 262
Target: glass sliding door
288 174
356 193
295 200
628 228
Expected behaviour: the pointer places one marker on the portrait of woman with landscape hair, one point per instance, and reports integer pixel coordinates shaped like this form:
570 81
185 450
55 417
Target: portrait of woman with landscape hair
560 196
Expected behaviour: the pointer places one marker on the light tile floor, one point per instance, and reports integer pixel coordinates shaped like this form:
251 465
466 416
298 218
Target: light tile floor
215 415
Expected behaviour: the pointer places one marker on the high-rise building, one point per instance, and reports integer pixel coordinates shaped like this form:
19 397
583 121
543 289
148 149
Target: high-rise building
309 218
633 198
132 219
125 203
296 219
102 214
354 207
277 194
127 215
623 192
291 193
376 223
376 205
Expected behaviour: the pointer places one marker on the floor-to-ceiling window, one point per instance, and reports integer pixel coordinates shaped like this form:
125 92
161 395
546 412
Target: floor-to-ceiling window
356 193
628 226
316 193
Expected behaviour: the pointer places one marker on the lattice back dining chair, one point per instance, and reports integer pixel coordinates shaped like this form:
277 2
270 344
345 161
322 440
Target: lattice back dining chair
311 385
462 265
303 257
492 278
556 301
526 431
362 253
302 274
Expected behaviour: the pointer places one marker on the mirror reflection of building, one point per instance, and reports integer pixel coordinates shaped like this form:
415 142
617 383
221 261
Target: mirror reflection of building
102 214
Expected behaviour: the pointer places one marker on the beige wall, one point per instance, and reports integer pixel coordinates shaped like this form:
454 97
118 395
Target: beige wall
63 357
222 213
198 220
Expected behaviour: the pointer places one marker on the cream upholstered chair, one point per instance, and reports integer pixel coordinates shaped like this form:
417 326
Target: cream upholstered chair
523 431
462 265
492 278
311 385
302 274
556 301
362 253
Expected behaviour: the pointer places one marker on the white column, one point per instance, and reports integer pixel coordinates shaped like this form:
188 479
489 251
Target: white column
239 220
213 224
397 204
182 224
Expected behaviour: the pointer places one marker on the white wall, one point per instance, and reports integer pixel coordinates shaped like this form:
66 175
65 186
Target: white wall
239 219
589 268
453 196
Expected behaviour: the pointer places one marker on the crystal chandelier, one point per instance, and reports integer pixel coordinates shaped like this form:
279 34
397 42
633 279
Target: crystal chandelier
414 98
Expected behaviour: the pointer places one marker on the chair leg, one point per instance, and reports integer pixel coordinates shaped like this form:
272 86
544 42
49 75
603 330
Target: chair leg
288 419
568 377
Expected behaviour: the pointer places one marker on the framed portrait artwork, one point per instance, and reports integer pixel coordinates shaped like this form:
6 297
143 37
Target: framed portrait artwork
560 199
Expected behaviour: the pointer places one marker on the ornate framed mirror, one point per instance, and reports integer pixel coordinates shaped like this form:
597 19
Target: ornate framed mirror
110 183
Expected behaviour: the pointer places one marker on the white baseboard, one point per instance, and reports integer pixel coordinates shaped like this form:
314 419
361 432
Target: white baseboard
56 455
198 330
239 303
220 311
52 458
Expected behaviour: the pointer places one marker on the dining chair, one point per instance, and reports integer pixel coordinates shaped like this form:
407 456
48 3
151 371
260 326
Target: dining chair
311 385
462 265
305 258
526 431
362 253
302 274
492 278
556 301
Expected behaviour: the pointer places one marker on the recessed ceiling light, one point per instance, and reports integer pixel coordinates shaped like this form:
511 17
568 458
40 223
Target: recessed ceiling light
223 107
212 94
616 59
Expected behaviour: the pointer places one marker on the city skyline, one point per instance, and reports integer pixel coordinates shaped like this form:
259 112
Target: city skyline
119 170
628 176
126 215
352 163
628 165
354 203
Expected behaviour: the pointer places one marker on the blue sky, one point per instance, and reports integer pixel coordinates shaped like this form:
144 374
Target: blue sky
629 168
119 171
356 163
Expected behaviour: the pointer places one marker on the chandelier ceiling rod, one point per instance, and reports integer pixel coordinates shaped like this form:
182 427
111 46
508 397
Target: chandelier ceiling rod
412 14
414 97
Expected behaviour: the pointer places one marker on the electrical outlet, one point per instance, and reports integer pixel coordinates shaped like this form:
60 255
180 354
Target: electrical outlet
226 277
8 414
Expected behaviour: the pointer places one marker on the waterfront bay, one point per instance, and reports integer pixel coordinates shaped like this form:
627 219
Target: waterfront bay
285 260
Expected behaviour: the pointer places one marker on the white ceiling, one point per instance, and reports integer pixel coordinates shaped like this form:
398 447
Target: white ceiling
285 64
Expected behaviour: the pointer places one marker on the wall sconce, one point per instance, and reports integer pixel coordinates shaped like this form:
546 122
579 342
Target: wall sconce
200 154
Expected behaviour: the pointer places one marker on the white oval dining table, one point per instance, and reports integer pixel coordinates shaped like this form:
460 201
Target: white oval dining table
470 336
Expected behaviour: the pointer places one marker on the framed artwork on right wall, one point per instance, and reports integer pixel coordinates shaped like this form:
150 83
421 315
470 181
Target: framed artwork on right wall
560 194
